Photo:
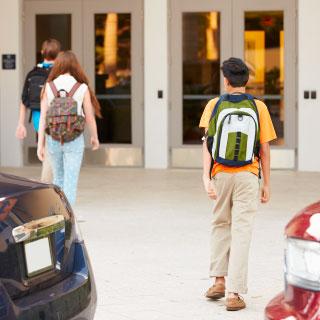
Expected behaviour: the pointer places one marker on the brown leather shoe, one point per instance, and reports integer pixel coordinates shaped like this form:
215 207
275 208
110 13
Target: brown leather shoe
235 304
216 292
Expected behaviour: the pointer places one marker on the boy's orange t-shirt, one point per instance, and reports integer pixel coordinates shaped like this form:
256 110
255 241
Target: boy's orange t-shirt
267 134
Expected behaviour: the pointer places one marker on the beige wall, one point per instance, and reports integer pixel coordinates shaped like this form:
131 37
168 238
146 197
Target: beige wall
309 79
156 78
10 82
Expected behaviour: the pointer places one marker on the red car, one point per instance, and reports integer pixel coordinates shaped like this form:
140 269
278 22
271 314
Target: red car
301 298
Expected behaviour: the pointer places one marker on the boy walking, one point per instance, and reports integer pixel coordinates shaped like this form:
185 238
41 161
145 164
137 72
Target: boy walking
238 131
32 88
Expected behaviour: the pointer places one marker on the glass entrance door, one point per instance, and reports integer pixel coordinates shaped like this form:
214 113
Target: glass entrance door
113 75
268 47
264 54
200 68
112 58
204 33
48 19
199 30
107 40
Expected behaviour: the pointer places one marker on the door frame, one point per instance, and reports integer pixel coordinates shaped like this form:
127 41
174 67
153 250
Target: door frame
82 43
34 7
231 24
177 8
31 8
91 7
290 56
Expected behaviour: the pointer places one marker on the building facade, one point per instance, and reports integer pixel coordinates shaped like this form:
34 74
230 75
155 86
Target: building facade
155 63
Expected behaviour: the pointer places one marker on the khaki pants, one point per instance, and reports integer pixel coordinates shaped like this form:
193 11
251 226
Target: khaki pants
46 173
232 225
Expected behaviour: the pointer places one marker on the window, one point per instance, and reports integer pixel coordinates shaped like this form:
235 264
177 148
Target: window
264 54
113 76
201 69
56 26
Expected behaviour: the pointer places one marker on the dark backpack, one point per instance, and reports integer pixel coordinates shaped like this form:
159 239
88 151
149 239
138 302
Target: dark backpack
63 123
36 80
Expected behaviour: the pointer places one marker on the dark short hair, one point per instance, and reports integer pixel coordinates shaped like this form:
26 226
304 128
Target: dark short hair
50 49
236 72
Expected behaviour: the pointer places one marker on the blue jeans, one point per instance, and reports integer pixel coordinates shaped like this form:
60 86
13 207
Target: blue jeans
66 162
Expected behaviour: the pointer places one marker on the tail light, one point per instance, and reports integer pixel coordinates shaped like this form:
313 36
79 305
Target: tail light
302 263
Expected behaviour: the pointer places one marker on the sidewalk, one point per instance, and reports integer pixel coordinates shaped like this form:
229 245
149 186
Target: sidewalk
147 233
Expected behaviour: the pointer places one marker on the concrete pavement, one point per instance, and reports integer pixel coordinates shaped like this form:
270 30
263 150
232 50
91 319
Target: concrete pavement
147 232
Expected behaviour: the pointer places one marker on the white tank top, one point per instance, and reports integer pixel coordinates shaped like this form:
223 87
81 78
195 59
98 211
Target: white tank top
66 82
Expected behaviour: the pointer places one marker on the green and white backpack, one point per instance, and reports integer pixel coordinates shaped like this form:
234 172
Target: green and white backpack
233 136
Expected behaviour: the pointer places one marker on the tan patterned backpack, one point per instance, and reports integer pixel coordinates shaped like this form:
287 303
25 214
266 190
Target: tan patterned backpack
63 123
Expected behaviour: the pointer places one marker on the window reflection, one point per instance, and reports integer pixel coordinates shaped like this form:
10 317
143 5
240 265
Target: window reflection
113 76
56 26
264 54
201 68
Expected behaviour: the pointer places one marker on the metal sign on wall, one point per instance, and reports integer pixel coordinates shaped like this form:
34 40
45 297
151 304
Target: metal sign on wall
8 61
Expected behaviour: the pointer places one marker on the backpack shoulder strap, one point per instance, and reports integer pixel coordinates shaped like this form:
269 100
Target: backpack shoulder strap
250 96
252 99
74 89
216 107
34 73
232 98
54 89
30 75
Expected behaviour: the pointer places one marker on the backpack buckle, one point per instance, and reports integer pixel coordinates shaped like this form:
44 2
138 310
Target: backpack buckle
62 93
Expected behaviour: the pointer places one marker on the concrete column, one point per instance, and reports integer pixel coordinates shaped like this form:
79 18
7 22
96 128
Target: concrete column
156 78
10 82
308 78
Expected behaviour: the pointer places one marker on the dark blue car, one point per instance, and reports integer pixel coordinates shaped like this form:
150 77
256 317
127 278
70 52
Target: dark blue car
45 271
